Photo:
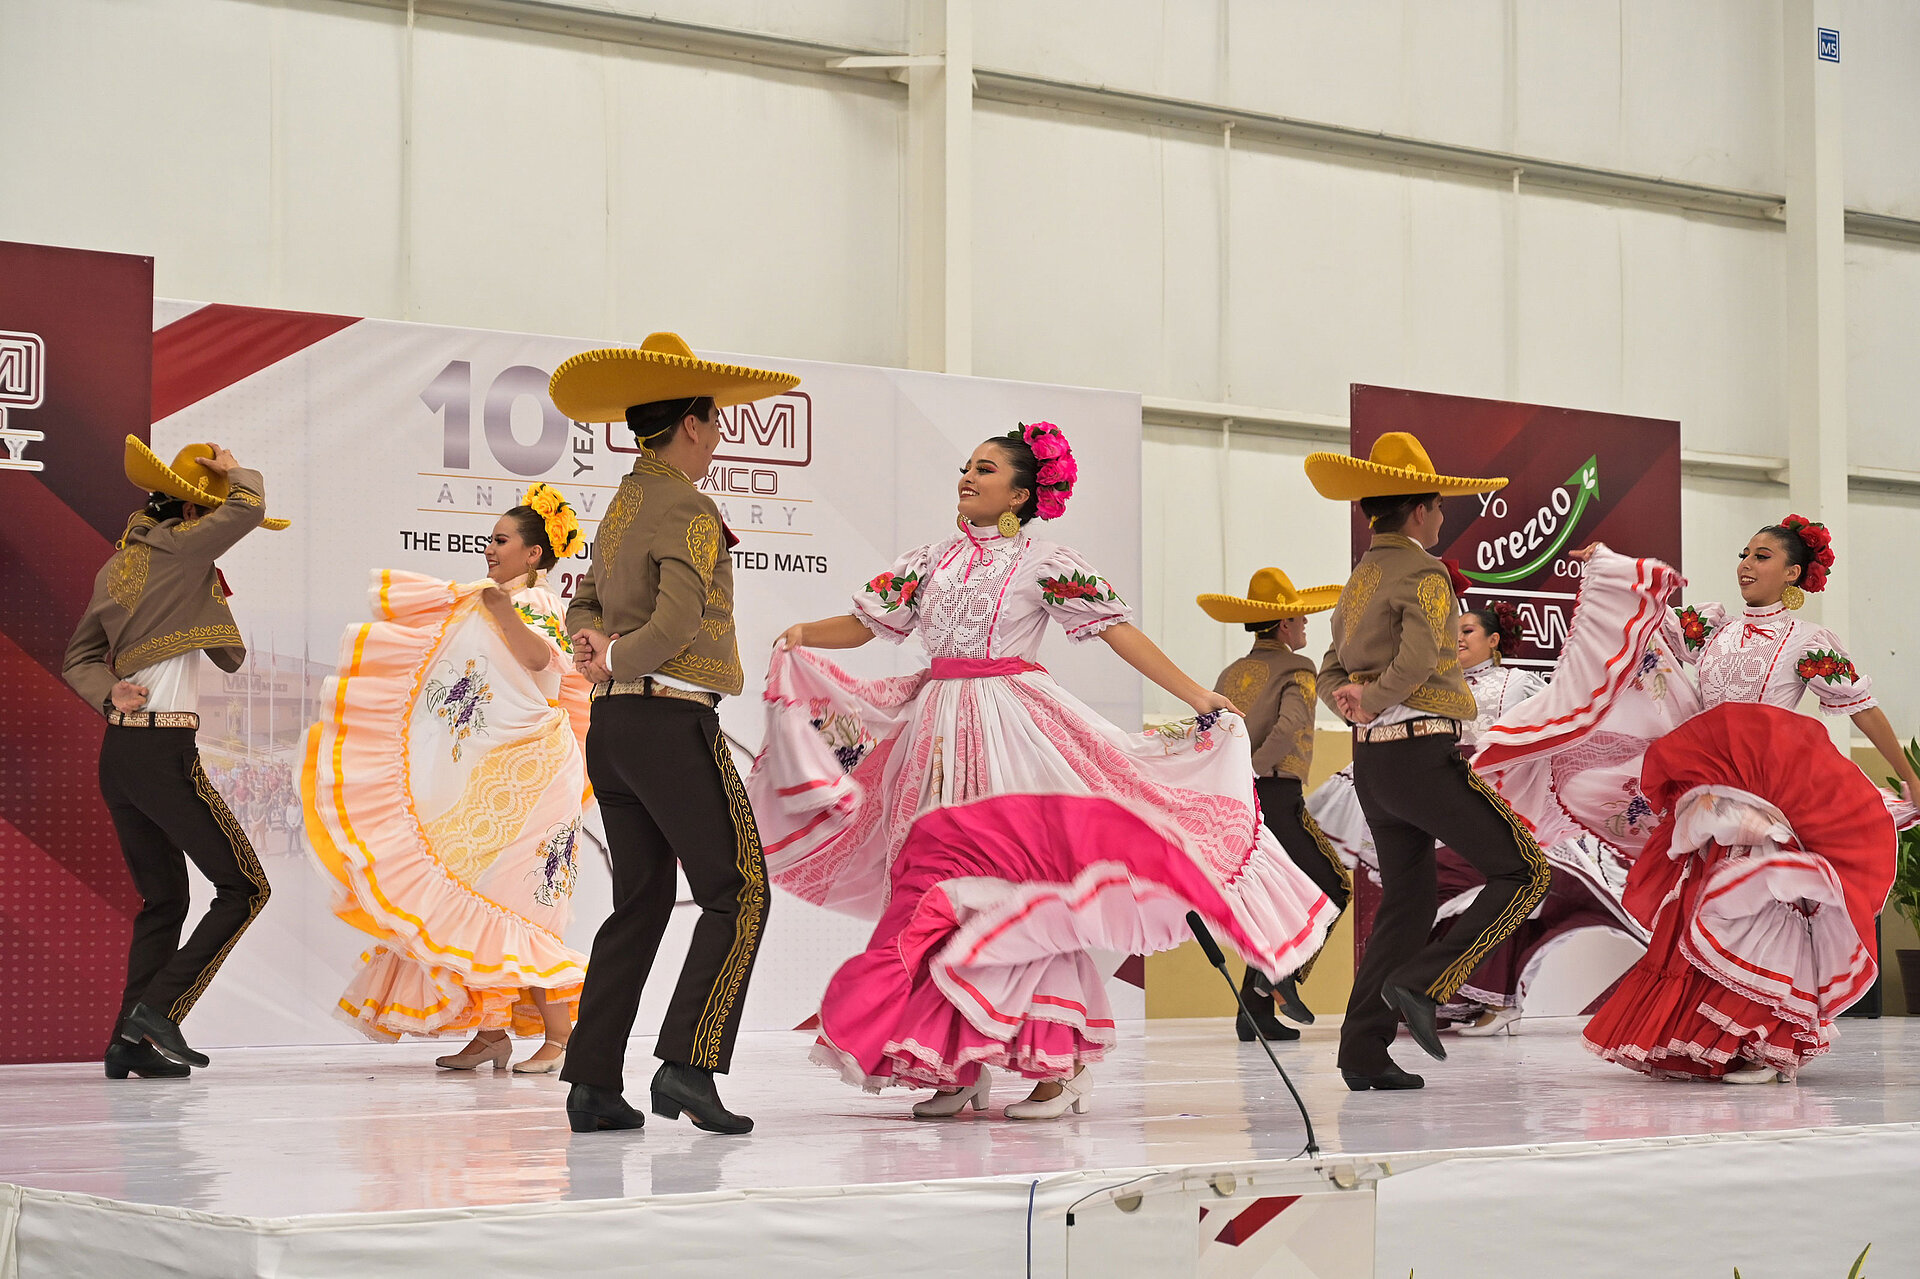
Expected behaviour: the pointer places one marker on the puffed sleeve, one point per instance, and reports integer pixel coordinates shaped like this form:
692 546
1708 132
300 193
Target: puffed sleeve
889 605
1826 669
1076 597
1688 629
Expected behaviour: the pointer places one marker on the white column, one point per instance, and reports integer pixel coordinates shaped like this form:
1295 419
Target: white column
1815 332
940 188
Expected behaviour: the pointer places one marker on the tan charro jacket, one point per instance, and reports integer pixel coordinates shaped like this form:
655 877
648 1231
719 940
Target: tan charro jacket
1274 686
1394 632
160 595
662 580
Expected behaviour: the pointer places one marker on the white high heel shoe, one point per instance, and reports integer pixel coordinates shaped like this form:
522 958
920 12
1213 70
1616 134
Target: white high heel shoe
1074 1095
496 1051
1503 1020
944 1105
551 1066
1751 1072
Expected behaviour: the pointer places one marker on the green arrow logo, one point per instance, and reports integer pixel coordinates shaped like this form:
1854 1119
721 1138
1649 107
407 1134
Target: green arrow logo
1586 485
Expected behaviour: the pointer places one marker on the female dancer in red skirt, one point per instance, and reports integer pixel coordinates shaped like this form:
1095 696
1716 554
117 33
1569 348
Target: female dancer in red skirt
1762 853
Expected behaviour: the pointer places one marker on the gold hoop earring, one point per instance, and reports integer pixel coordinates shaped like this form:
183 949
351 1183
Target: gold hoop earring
1009 524
1793 597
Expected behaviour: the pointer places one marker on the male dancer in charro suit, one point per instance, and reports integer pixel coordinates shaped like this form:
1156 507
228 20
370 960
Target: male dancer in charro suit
653 630
158 603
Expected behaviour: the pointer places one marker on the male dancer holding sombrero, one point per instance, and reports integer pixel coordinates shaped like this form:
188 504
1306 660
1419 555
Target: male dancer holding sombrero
158 603
652 625
1274 686
1394 674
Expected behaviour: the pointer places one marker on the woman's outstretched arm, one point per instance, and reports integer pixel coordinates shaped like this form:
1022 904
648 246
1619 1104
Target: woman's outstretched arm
844 631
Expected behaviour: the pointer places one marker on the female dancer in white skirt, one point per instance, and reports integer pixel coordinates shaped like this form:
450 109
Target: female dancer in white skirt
998 828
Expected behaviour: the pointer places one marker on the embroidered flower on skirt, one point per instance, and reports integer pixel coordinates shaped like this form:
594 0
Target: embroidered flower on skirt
846 736
459 698
558 869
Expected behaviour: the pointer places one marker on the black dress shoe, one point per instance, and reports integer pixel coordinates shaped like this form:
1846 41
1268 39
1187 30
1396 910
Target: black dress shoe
1418 1012
591 1109
690 1088
1392 1079
1288 993
1269 1027
140 1059
145 1024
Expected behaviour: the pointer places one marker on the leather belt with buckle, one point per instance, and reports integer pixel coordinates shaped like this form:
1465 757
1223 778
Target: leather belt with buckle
1428 727
153 719
647 686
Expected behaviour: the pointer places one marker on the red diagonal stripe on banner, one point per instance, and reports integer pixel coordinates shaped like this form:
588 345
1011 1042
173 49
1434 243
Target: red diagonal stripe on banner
218 345
1258 1213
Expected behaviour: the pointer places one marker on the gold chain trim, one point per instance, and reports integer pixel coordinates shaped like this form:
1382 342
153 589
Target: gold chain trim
710 1032
249 864
161 647
1448 984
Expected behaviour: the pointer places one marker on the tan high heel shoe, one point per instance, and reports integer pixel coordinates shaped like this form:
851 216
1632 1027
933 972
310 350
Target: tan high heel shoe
479 1054
551 1066
944 1105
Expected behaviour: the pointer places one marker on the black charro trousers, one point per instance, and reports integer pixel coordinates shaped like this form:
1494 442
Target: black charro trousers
669 794
167 814
1415 792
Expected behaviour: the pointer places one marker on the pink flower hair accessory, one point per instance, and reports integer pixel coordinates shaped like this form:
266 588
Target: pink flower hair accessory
1057 472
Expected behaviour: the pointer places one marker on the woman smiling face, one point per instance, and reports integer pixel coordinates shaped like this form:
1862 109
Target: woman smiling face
1476 643
986 486
1765 570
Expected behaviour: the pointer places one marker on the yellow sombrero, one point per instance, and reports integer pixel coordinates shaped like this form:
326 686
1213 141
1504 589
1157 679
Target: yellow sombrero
1398 467
600 386
1270 597
186 479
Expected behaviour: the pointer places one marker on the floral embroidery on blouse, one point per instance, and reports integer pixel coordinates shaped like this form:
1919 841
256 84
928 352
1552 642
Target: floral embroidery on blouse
896 590
1075 586
557 869
1693 627
459 700
1826 664
547 624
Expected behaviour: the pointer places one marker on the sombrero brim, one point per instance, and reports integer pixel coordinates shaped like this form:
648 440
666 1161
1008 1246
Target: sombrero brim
1238 608
600 386
1348 479
148 472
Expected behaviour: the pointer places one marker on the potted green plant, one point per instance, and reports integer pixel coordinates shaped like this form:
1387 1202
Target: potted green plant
1905 896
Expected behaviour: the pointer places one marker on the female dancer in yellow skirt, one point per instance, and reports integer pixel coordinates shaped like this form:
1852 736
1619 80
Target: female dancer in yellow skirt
444 788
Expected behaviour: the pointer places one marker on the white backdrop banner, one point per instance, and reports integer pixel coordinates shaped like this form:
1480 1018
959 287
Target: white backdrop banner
394 445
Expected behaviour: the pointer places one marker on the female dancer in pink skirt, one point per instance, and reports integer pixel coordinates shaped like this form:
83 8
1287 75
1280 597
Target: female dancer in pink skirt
1762 853
998 828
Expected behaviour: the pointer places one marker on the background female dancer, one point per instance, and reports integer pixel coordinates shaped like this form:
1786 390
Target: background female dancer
998 828
459 704
1763 853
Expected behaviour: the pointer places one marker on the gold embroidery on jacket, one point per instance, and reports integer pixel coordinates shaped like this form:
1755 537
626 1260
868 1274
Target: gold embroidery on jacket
1436 601
1354 600
1300 759
619 518
1244 680
161 647
244 497
127 579
703 545
718 620
712 672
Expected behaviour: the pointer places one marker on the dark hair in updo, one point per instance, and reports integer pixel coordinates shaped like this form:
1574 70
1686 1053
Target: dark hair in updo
1026 472
1798 552
649 421
1390 514
533 531
1501 622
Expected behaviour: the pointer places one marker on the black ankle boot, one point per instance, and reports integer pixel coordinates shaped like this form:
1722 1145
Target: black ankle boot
591 1109
690 1088
1287 992
1258 997
140 1059
143 1023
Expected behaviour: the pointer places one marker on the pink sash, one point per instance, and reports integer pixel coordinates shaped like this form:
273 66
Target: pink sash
980 668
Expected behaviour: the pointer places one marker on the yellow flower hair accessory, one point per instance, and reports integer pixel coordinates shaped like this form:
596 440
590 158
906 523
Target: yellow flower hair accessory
563 529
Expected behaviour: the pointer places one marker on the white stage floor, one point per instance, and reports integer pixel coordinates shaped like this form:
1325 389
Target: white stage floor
282 1133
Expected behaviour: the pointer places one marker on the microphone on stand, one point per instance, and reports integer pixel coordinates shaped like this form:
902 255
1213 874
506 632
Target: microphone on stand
1202 935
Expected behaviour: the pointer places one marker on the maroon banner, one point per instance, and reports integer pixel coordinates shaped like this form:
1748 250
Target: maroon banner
1575 477
76 355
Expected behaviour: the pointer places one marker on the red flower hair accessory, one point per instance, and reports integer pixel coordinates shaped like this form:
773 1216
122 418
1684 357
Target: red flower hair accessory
1818 540
1057 470
1507 618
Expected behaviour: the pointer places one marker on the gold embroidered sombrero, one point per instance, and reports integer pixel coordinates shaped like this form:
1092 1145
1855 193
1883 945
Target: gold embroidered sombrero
1270 597
1398 467
186 479
600 386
